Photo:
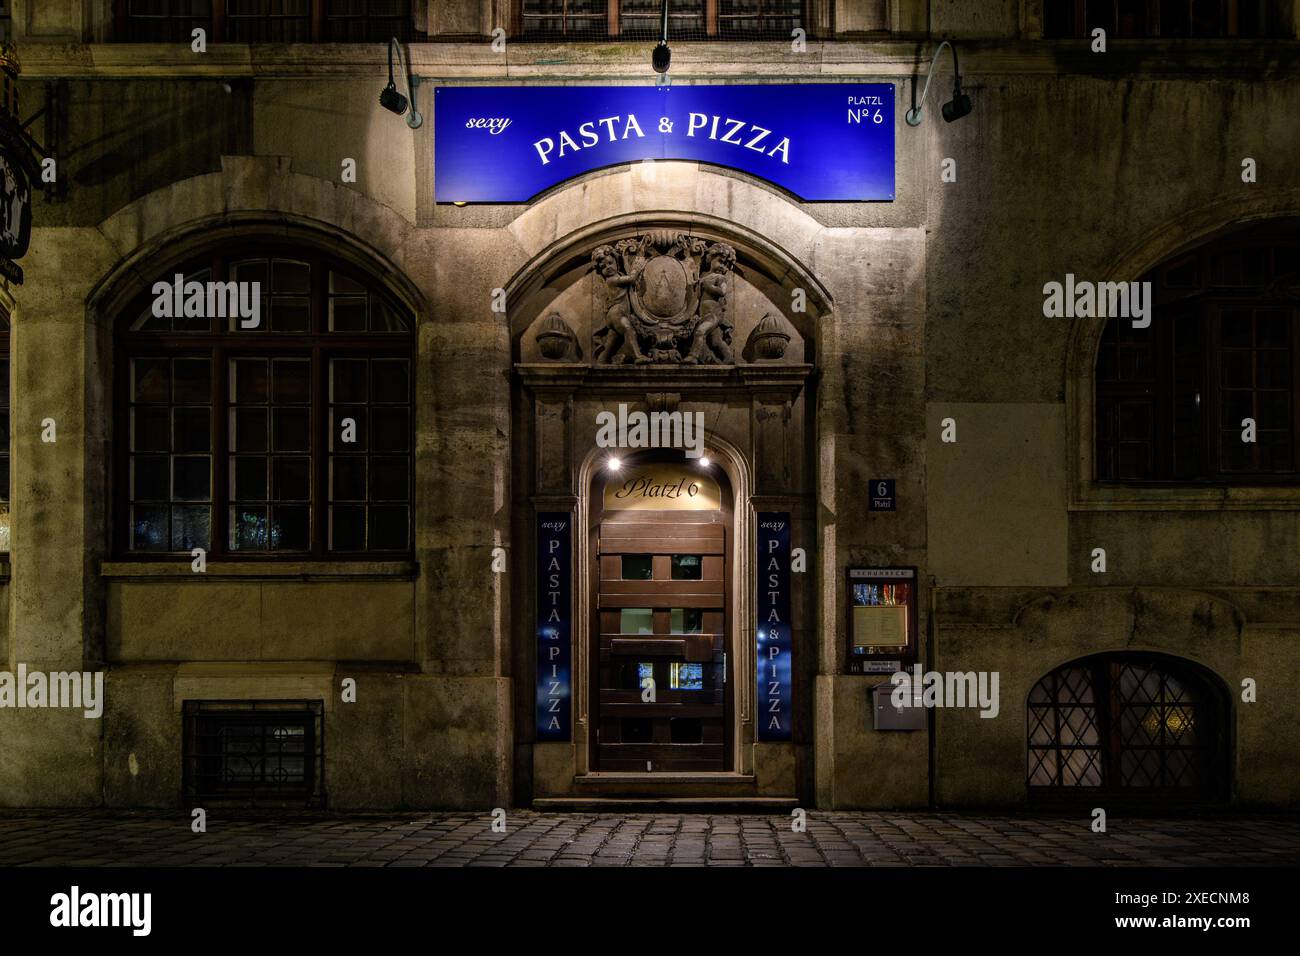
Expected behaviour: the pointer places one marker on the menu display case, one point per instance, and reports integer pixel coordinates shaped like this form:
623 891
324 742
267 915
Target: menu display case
881 619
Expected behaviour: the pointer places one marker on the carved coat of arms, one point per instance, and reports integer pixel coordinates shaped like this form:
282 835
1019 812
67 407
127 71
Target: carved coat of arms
665 299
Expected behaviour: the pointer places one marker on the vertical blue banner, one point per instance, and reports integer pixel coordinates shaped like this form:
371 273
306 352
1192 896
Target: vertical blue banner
775 700
554 625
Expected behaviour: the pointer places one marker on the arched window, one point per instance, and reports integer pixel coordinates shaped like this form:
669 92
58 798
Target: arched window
1223 346
289 438
1128 722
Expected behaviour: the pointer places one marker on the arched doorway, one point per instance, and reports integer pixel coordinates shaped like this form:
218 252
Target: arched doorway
652 321
661 689
1138 725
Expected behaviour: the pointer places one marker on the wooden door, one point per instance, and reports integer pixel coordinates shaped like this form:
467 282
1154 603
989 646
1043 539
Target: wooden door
662 617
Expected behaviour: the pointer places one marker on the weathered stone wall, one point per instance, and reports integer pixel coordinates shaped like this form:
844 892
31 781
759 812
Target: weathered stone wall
1071 162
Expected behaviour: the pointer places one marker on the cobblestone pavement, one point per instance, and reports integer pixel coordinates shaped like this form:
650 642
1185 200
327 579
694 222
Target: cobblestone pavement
99 838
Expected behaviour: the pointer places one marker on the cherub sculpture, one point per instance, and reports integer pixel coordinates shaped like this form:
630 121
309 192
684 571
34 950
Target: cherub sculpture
711 342
617 308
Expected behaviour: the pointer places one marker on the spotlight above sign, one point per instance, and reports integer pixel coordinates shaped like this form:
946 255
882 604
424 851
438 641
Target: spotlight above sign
823 142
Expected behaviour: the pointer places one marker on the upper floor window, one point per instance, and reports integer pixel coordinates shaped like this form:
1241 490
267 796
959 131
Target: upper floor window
264 21
640 19
1223 347
1165 18
290 439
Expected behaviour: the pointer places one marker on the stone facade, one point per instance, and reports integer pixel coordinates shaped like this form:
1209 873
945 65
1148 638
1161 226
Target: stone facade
918 310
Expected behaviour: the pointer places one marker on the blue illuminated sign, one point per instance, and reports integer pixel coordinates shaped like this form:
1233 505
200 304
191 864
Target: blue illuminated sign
554 625
775 646
819 141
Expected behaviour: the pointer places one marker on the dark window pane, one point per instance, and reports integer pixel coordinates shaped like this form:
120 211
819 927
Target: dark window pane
386 317
290 314
1274 409
291 381
347 528
1273 368
687 567
191 528
637 567
392 429
292 479
151 429
348 314
251 270
292 528
1236 406
388 479
248 381
391 380
192 381
1237 371
349 477
191 478
388 528
1271 329
1236 329
250 430
150 478
193 431
1237 454
348 380
291 277
291 429
1276 452
149 528
151 379
250 479
343 284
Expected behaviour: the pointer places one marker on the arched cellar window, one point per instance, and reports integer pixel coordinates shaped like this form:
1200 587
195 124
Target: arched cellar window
1137 724
292 439
1223 346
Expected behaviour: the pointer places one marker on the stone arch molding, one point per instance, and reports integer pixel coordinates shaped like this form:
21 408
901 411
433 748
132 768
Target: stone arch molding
255 194
1195 625
774 240
667 289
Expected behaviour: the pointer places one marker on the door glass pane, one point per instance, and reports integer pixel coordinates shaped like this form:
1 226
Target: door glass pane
638 567
687 620
687 567
636 620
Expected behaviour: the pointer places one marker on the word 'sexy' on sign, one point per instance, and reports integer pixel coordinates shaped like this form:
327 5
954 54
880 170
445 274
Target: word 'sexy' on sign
554 625
774 646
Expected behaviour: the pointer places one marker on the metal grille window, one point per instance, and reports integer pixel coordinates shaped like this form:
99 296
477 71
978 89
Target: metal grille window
1165 18
581 20
254 752
1223 347
290 439
1139 724
264 21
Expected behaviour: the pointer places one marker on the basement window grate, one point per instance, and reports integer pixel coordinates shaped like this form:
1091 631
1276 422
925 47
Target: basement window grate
265 753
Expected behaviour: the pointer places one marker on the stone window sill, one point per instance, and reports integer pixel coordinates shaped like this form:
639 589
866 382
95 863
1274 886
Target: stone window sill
1095 496
262 571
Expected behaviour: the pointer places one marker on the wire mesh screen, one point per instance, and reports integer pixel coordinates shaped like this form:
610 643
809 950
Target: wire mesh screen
589 20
